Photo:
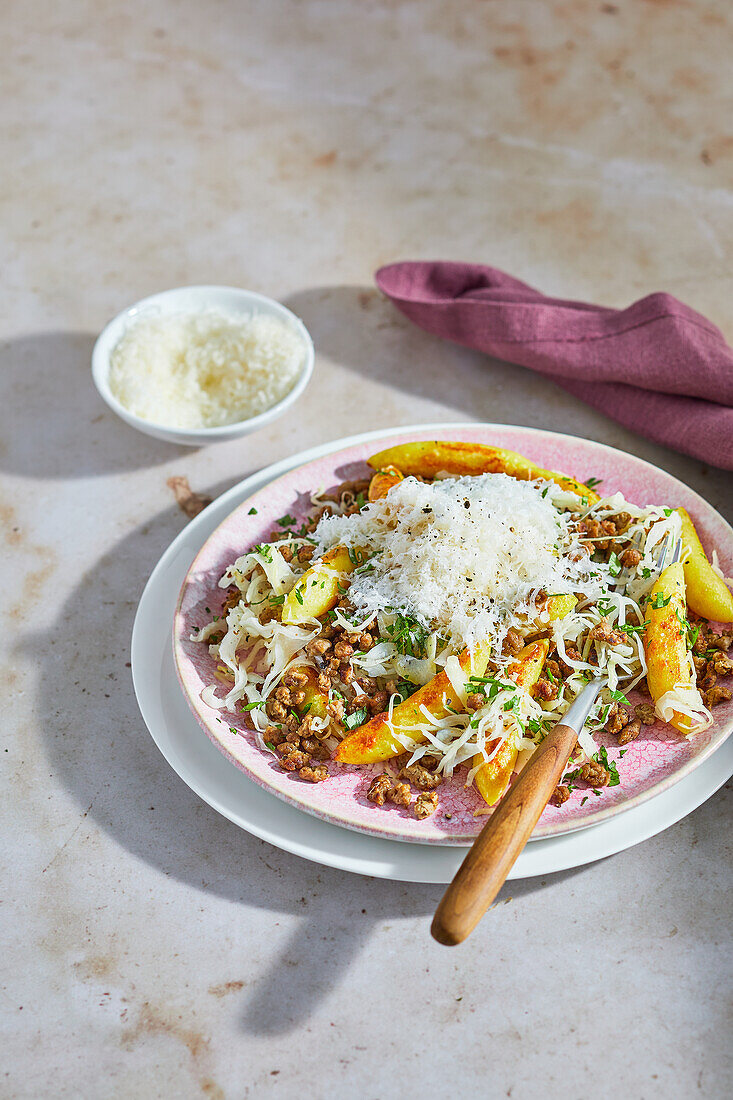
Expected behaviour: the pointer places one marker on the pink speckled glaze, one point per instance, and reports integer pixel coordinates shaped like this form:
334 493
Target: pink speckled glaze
652 763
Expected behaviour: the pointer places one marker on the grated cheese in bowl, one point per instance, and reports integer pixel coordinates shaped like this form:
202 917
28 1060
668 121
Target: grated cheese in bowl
204 369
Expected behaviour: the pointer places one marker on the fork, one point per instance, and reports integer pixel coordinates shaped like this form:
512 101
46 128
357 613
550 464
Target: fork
497 847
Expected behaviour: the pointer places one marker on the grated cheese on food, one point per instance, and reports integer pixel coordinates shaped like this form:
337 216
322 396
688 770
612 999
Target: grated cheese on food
203 370
465 556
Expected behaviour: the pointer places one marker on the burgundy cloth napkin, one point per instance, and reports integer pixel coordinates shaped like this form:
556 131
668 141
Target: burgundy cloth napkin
658 367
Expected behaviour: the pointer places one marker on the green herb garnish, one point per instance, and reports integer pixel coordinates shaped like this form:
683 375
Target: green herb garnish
405 689
609 765
619 697
409 635
356 718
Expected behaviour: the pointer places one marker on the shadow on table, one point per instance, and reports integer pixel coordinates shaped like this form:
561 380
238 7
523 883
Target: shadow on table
101 752
361 330
339 923
50 396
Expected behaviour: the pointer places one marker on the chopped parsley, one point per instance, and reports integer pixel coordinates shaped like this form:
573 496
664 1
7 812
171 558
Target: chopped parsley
252 512
356 718
614 565
688 629
609 765
285 521
253 706
659 601
619 697
409 635
405 689
368 566
479 684
591 482
627 628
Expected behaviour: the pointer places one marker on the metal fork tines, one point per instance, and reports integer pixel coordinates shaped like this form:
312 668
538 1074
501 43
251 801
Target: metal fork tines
662 562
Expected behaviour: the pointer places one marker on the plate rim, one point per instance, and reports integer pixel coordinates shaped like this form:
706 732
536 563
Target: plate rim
390 830
419 862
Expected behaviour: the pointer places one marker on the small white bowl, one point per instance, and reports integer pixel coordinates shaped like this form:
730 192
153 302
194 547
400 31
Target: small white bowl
192 299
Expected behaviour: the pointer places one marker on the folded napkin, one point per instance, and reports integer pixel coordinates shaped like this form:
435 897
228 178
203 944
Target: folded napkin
658 367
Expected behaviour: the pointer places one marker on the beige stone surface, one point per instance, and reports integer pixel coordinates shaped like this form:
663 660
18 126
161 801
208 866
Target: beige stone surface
149 947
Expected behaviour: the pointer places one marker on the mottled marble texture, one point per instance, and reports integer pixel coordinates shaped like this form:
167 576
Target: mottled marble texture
292 148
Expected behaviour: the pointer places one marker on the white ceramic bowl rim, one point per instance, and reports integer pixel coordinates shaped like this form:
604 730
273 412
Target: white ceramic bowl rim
114 329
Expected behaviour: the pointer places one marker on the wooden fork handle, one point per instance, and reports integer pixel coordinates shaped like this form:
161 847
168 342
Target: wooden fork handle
484 870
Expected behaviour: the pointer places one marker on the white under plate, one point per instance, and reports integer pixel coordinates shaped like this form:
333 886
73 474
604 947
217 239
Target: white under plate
228 790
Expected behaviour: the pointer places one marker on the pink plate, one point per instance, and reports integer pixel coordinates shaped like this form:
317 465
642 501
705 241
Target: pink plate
656 760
